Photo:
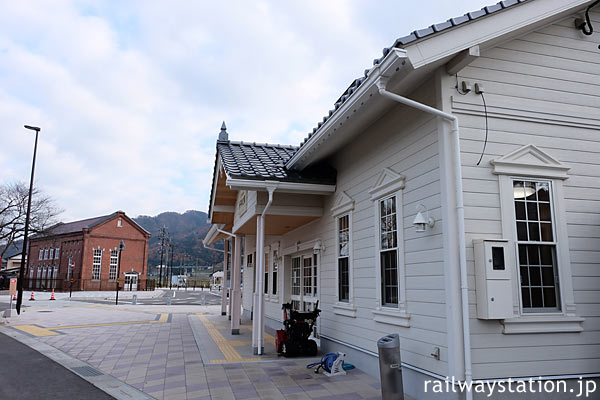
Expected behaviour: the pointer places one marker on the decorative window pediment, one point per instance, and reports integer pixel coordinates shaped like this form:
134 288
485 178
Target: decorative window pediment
342 204
530 161
388 182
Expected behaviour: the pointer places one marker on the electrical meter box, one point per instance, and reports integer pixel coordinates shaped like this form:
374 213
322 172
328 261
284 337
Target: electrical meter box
493 268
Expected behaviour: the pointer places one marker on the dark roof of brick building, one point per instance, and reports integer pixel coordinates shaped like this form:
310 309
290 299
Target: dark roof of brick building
78 226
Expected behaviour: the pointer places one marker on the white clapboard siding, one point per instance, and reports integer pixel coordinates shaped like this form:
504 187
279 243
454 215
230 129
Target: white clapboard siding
541 89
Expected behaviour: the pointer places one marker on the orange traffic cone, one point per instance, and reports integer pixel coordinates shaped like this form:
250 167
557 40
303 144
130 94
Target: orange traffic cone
15 297
52 297
31 298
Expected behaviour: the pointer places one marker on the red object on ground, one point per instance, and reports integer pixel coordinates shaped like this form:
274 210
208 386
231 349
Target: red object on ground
52 297
281 336
31 298
15 297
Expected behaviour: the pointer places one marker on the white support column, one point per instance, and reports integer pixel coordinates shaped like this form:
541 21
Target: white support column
257 317
224 285
236 293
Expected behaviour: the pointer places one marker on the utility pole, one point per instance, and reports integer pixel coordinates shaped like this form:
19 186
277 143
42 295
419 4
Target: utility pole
163 235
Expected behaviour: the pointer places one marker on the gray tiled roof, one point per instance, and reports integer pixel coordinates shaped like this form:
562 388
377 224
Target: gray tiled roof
413 37
267 162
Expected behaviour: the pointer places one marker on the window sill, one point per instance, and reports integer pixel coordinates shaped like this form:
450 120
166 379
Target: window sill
542 324
346 309
274 298
391 317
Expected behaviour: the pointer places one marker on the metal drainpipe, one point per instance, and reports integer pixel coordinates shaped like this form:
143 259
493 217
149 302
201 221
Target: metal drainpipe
462 255
261 271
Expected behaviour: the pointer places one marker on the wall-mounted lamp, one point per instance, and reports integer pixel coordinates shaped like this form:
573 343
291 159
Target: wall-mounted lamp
421 222
318 247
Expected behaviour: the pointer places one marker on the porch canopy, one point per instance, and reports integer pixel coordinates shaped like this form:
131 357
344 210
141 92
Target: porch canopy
253 193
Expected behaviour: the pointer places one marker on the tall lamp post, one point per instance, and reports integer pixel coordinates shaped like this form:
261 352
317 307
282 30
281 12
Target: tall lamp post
121 248
163 235
171 267
24 252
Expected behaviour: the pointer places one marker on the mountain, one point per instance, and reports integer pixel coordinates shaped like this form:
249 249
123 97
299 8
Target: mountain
186 232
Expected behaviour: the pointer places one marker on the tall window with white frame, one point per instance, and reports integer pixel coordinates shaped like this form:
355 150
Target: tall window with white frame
343 258
536 243
96 264
114 259
388 251
296 276
274 275
266 282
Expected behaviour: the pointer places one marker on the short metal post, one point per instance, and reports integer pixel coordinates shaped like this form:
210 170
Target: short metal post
390 368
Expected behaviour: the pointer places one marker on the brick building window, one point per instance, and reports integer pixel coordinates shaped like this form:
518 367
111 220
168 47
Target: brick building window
56 253
97 264
114 259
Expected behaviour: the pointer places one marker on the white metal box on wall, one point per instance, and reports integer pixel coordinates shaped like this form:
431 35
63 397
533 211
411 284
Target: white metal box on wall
493 267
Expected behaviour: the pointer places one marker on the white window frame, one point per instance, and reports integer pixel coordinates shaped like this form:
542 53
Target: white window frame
94 264
390 184
344 206
41 254
518 165
56 253
275 259
45 254
51 254
114 260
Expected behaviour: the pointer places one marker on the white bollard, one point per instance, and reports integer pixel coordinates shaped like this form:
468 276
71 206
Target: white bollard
134 299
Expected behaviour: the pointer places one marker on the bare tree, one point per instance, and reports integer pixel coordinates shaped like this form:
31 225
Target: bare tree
13 207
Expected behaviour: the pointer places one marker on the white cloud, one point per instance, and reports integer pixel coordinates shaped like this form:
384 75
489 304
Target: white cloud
130 95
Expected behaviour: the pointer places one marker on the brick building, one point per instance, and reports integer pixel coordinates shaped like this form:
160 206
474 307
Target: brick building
85 254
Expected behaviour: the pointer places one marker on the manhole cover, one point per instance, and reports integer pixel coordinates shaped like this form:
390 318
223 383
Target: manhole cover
87 371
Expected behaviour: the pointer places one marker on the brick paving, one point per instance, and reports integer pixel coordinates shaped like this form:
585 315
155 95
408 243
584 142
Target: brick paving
164 360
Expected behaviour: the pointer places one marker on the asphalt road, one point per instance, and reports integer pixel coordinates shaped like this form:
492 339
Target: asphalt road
26 374
182 298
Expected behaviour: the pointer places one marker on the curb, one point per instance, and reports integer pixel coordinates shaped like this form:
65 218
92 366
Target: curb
105 382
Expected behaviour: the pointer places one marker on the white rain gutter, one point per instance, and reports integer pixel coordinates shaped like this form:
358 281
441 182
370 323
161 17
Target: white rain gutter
225 232
212 248
381 84
271 187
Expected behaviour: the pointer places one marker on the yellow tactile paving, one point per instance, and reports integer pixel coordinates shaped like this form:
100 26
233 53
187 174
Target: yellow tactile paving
41 331
227 346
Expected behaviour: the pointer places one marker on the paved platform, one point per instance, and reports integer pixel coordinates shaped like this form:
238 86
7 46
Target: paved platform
179 352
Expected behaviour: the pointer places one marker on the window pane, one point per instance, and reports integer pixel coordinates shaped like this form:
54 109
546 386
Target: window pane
534 232
534 276
525 298
536 298
520 210
546 232
521 231
532 213
549 297
389 277
525 276
544 211
546 255
548 276
533 256
530 191
543 191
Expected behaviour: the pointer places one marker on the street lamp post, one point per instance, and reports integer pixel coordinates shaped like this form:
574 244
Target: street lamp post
163 233
121 248
171 267
24 252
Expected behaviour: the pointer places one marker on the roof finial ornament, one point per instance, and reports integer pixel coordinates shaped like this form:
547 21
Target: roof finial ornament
223 135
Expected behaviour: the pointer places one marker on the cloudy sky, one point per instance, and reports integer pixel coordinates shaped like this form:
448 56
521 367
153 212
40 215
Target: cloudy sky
130 95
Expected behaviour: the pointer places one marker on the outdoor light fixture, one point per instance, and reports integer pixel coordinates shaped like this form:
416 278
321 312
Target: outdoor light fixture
421 222
318 247
521 191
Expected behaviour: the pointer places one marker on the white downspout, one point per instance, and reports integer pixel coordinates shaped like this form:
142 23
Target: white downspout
261 271
225 232
462 254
